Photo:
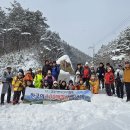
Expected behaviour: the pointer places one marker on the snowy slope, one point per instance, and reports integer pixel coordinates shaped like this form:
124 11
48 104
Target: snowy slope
103 113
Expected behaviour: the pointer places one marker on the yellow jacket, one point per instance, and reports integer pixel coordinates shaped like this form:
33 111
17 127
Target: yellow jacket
38 81
126 76
17 84
95 86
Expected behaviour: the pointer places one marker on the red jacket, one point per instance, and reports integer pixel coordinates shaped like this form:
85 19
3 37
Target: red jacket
109 78
86 72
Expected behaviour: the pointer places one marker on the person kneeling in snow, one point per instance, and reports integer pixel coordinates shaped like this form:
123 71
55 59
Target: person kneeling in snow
55 85
71 85
94 83
63 85
81 86
109 82
18 85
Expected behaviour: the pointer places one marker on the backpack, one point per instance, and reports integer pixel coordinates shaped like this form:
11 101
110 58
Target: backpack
118 77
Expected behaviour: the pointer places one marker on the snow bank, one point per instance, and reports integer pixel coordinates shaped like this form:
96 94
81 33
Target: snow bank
103 113
65 58
64 76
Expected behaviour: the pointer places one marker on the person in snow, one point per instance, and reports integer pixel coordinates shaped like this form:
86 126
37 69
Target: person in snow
109 82
38 79
109 66
77 78
18 85
55 70
70 85
55 85
81 85
7 86
126 79
31 71
86 75
119 81
79 69
45 68
101 74
27 77
29 84
45 84
94 83
92 69
63 85
50 79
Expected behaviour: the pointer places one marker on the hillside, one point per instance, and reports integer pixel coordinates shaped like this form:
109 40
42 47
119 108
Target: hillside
26 36
117 51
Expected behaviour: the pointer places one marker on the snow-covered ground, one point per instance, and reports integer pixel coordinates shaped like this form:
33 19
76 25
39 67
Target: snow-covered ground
103 113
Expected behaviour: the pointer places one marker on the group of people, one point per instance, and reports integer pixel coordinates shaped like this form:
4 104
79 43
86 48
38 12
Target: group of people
85 78
113 81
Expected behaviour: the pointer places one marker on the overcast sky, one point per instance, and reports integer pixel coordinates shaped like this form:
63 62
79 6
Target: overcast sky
82 23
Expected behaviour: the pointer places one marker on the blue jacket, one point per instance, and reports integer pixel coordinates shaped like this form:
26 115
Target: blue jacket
55 71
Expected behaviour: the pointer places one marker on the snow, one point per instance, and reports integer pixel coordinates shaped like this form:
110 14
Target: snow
120 57
10 29
65 58
25 33
103 113
64 76
47 48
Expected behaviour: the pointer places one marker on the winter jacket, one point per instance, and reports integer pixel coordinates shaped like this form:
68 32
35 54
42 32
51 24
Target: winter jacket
28 77
81 87
7 77
18 84
126 76
101 72
80 70
109 77
50 80
55 71
70 87
119 75
86 72
38 81
95 86
76 79
45 70
63 87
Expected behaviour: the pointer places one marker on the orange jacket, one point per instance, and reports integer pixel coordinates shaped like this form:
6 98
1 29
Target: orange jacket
81 87
126 76
27 77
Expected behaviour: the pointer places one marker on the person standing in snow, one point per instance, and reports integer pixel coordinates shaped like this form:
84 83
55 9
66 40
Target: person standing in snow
101 74
126 79
79 69
119 81
27 77
38 79
50 79
55 70
109 66
7 86
86 75
109 82
77 78
94 83
18 85
31 71
45 68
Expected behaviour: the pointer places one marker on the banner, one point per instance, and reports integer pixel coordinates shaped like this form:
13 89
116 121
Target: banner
40 95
